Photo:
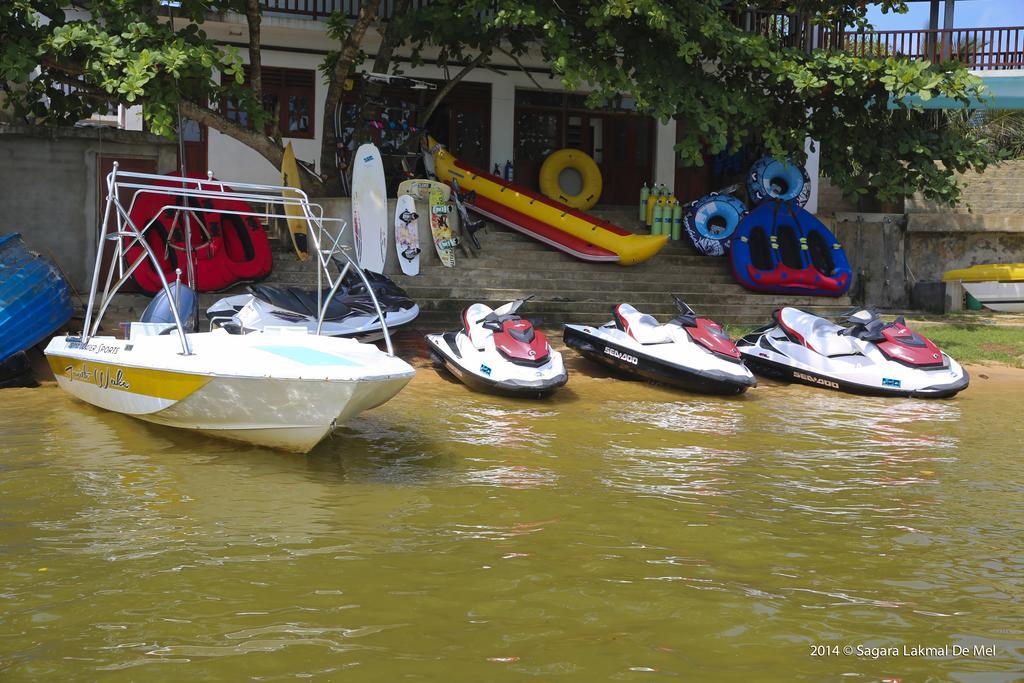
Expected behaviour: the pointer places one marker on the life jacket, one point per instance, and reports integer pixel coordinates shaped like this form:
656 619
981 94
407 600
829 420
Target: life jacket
227 248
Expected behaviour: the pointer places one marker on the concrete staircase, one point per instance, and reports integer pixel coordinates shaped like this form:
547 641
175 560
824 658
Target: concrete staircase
565 289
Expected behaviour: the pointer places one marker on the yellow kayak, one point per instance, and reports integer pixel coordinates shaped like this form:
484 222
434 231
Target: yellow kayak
568 230
297 219
989 272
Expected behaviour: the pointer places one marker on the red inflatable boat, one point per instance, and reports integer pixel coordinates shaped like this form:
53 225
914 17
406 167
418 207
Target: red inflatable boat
226 248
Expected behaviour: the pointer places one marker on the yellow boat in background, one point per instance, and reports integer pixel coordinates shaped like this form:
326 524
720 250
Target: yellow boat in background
997 286
989 272
546 220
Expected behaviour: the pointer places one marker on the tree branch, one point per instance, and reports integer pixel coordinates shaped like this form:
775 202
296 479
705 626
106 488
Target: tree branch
370 92
268 148
424 118
522 68
335 85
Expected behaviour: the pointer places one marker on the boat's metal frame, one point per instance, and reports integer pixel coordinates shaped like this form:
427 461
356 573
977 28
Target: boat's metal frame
119 228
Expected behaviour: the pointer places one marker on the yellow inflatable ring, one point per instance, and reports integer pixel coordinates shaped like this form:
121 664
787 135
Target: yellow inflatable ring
584 165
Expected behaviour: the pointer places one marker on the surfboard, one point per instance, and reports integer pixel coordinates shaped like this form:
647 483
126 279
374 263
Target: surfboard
444 241
297 225
369 208
407 235
419 189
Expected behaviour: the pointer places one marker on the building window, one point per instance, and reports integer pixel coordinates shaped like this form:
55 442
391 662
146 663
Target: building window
289 95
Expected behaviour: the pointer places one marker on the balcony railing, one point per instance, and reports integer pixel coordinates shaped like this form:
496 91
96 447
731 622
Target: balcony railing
324 8
976 48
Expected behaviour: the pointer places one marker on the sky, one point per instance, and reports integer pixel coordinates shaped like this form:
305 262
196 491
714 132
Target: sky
968 14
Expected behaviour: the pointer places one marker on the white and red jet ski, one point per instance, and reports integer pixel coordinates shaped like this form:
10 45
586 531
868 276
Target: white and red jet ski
688 352
496 351
869 357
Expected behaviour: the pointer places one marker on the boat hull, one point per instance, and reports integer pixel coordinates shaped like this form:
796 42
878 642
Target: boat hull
1007 297
35 300
632 363
227 388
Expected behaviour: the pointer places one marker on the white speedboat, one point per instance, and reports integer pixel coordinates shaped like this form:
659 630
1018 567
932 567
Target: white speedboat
282 387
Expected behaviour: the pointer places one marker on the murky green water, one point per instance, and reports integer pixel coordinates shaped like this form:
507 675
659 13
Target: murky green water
617 532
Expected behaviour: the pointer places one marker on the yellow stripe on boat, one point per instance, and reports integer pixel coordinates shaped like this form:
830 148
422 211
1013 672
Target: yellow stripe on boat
989 272
165 384
631 249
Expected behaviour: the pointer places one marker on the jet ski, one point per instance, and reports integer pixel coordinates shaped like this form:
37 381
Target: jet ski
869 356
688 352
350 313
496 351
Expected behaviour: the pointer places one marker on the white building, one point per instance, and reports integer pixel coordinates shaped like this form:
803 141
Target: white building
517 113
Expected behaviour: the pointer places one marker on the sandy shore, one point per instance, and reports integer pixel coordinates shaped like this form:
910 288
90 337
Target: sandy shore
995 376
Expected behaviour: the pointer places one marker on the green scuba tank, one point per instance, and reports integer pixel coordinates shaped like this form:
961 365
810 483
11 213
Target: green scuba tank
677 220
658 218
644 194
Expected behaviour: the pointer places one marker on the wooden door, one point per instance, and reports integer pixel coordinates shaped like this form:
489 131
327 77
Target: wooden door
538 133
194 137
627 154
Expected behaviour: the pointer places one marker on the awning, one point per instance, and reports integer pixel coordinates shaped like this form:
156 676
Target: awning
1005 92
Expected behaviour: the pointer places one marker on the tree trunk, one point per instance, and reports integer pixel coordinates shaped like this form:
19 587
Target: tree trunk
335 86
268 148
369 94
252 16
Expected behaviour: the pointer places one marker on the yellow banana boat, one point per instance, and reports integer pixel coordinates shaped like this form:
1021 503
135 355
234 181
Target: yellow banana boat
569 230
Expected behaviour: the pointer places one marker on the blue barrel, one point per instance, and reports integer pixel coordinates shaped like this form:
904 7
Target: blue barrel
770 178
711 220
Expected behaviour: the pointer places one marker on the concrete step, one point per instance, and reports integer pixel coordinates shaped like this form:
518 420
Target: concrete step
589 309
651 301
599 282
449 316
512 260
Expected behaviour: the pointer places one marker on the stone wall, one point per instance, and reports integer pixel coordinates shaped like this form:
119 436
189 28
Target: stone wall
49 181
999 190
986 226
875 246
890 257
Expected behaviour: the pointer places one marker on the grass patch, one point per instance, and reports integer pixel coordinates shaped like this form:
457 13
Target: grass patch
978 343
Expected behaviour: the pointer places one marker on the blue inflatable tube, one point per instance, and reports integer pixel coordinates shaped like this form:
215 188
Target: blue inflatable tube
781 248
770 178
711 220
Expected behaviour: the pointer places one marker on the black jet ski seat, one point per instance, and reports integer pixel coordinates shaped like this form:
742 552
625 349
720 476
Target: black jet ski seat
300 301
640 326
817 334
